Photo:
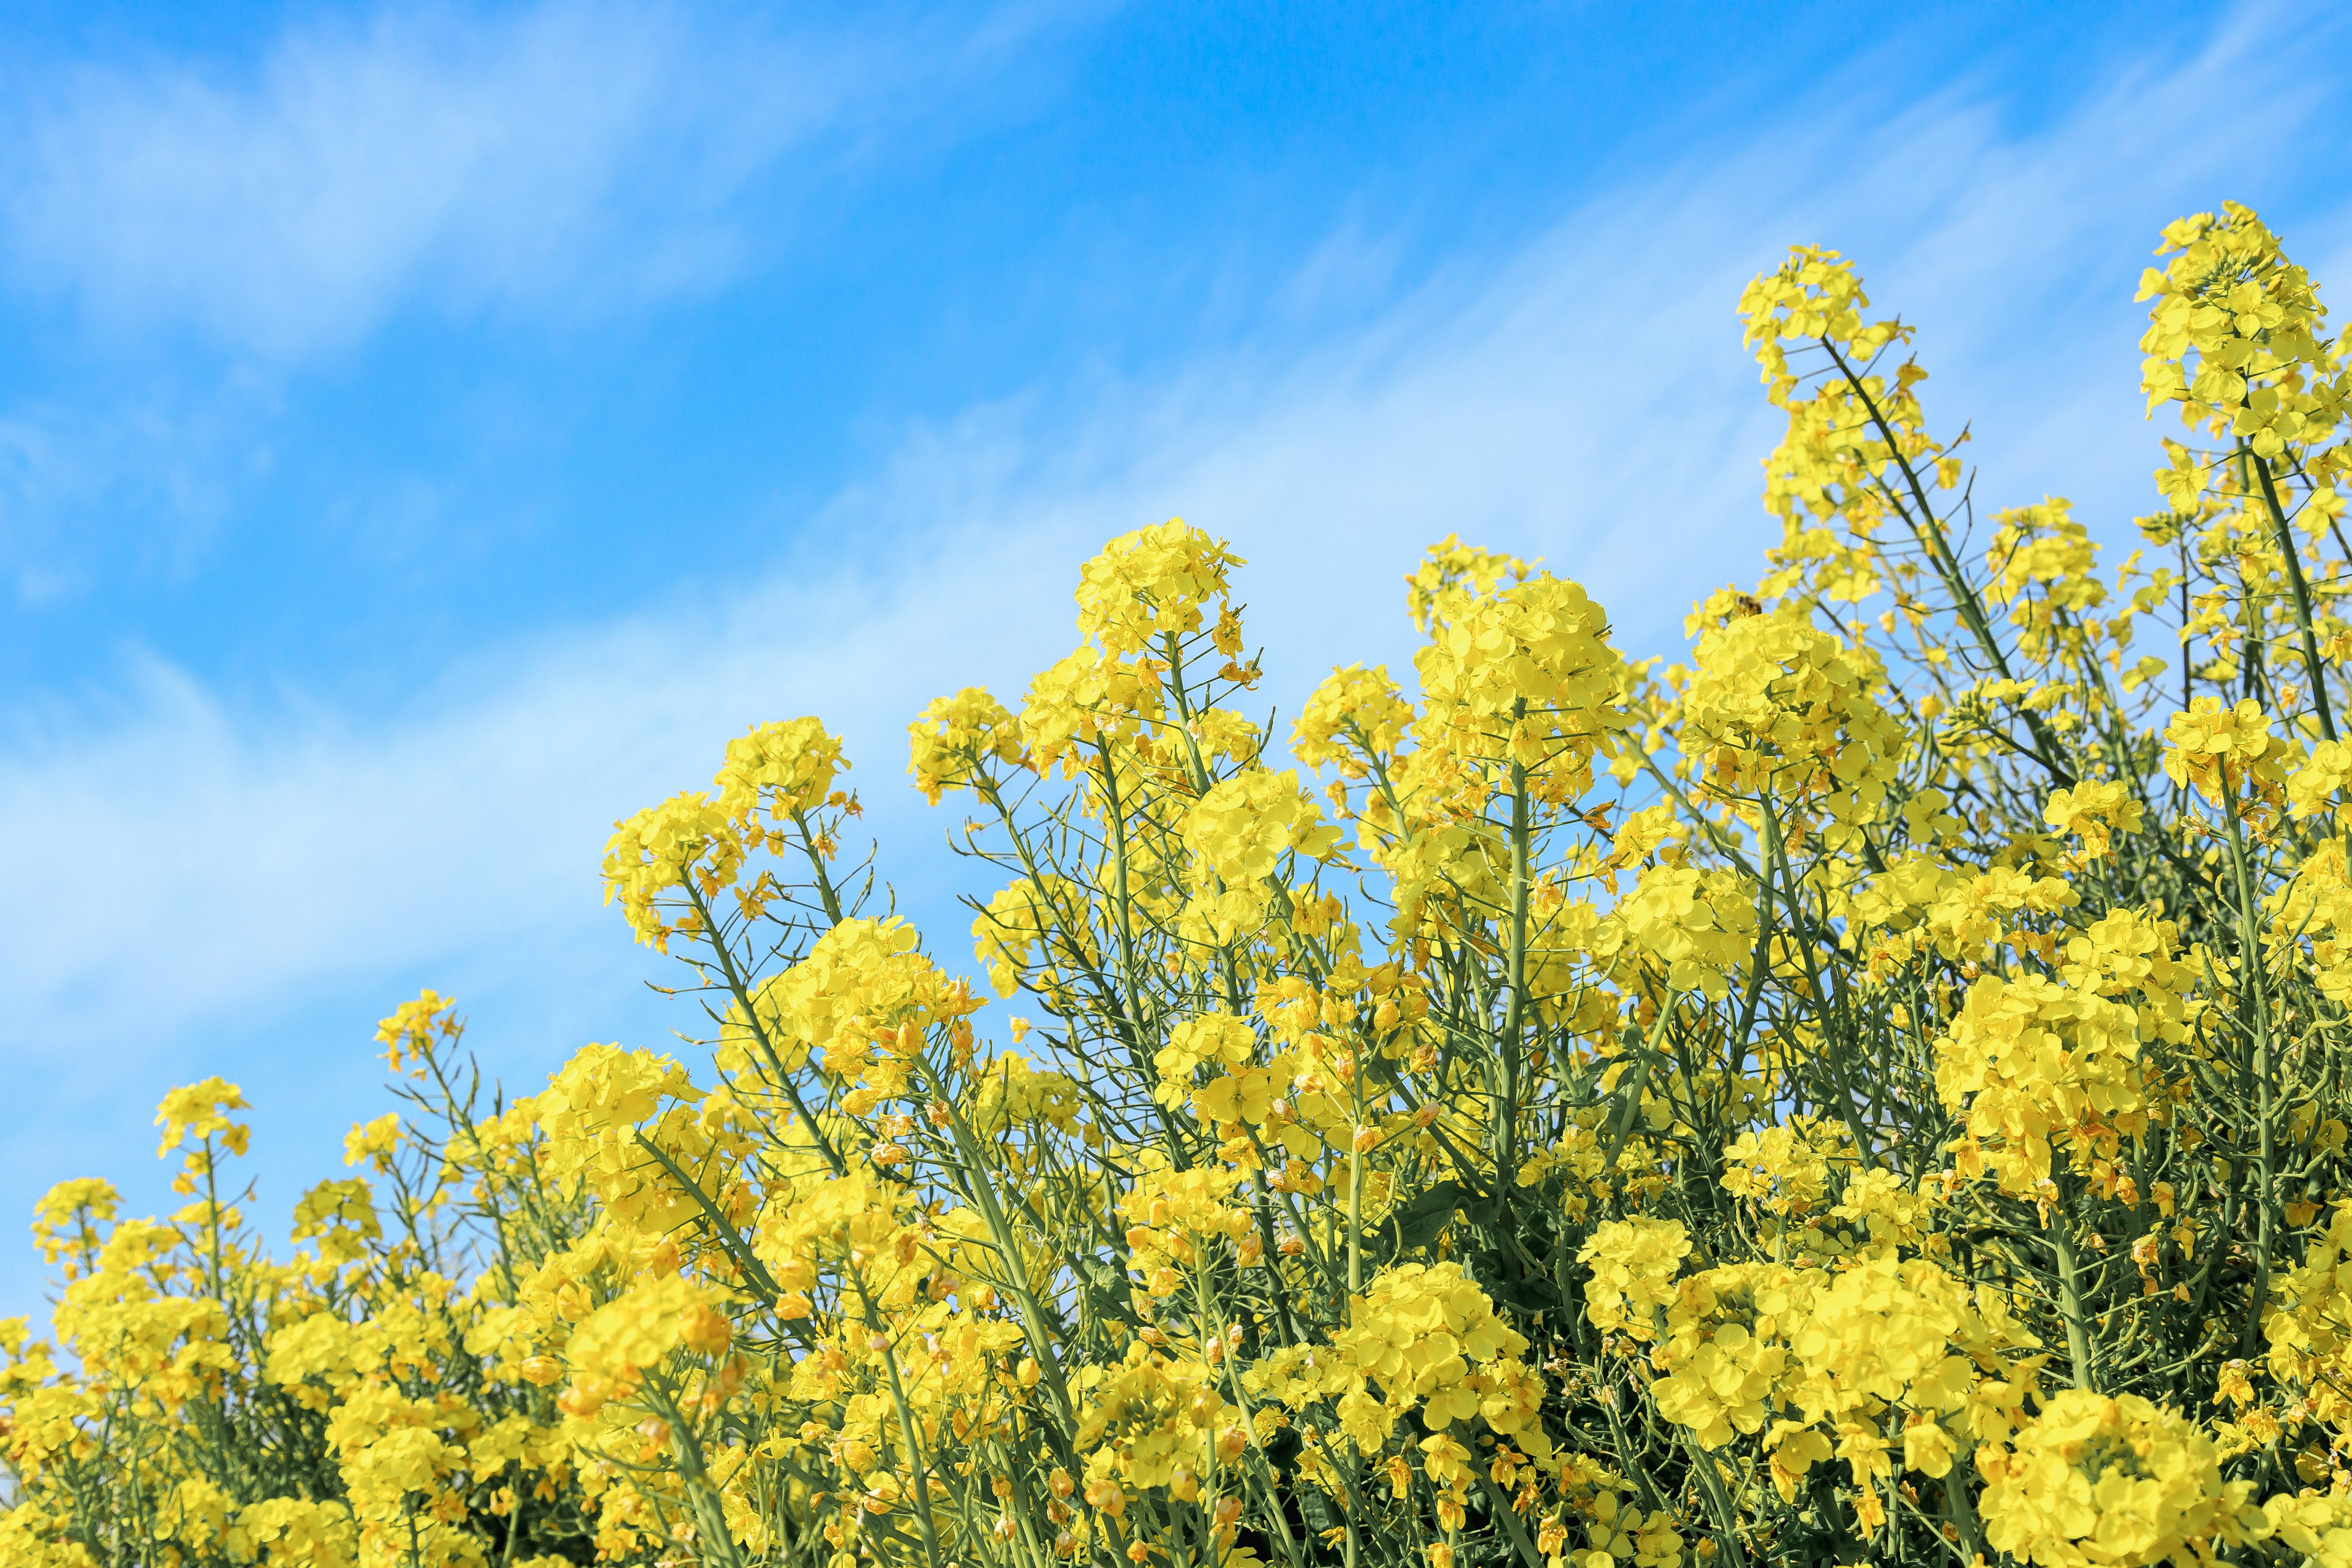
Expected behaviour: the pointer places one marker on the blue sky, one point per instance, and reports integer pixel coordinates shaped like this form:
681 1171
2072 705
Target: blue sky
427 432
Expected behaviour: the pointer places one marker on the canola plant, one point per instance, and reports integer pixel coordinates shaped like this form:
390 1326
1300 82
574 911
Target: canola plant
1874 1091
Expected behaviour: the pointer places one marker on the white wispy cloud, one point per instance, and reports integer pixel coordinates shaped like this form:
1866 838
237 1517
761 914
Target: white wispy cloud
569 154
1586 399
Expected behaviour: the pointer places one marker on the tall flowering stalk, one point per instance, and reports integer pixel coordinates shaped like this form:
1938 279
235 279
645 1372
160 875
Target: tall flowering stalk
1873 1090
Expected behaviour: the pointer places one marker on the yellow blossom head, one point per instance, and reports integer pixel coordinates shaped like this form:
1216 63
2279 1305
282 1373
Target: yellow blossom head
192 1115
1524 677
1354 716
418 1028
686 843
787 767
957 735
1150 584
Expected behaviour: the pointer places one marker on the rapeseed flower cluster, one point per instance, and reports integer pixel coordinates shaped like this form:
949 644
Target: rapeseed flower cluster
1871 1091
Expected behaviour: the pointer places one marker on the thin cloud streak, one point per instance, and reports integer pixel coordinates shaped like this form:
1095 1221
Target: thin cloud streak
575 154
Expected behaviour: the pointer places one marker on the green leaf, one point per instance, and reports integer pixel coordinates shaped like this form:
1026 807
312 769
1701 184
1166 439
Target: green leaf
1418 1223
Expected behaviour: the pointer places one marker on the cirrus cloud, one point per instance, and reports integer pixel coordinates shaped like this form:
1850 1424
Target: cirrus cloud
574 152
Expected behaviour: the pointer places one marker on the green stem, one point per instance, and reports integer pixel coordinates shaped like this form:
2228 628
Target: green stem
1727 1531
1000 1230
2250 961
2070 1304
2287 552
1928 530
1506 1121
739 985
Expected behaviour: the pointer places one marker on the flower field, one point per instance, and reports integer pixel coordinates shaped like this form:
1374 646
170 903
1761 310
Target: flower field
1874 1086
